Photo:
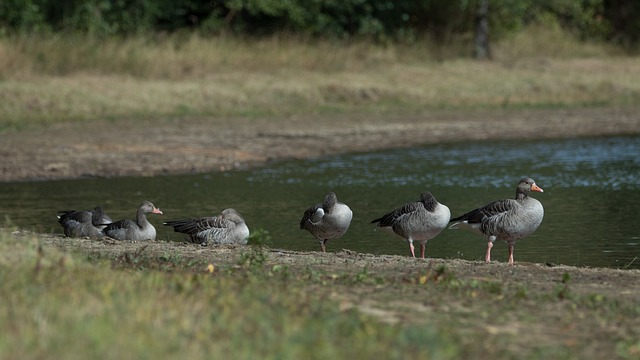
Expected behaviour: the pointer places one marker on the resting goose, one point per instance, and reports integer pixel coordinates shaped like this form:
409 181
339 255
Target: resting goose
87 223
326 221
420 220
227 228
508 219
138 230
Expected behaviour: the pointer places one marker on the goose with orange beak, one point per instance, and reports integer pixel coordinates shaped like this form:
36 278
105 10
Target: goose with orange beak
508 220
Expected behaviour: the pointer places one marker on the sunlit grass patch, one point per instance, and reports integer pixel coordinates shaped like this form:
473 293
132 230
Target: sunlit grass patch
52 78
547 39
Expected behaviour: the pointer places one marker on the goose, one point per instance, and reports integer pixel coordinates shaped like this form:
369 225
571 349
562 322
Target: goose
86 223
508 220
326 221
227 228
419 220
137 230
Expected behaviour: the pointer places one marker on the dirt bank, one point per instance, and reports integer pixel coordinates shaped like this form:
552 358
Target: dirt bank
622 284
124 147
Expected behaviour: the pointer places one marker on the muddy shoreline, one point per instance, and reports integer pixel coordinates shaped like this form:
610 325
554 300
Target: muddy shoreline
132 147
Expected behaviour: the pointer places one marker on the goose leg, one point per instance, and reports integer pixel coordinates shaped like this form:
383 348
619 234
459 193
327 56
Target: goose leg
411 247
487 257
323 243
511 246
422 246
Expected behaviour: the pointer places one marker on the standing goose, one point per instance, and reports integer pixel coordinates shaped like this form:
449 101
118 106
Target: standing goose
508 219
420 220
326 221
227 228
137 230
88 223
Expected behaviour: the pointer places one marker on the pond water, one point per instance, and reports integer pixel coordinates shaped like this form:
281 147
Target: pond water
591 197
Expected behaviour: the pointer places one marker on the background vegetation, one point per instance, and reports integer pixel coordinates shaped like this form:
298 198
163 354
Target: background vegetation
75 60
404 20
53 78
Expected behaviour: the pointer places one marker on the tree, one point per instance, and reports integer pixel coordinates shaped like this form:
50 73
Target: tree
481 49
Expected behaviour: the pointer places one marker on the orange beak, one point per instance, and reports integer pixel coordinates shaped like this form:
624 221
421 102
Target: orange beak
537 188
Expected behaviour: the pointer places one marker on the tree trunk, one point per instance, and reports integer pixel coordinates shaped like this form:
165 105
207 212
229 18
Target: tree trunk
481 41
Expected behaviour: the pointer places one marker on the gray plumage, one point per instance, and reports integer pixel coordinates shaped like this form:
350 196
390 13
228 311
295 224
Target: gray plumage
326 221
87 223
417 221
508 220
138 230
227 228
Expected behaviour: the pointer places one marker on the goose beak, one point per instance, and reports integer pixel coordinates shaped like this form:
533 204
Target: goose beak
157 211
537 188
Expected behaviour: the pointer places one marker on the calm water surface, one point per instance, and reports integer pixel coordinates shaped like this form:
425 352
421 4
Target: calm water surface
591 197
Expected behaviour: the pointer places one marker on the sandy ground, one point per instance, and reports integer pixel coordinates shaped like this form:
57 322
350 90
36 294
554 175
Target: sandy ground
124 147
537 275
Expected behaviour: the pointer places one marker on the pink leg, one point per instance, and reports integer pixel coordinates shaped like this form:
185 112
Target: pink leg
422 246
487 258
411 247
511 246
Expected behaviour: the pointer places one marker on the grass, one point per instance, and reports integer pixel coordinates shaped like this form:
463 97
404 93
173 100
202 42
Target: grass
143 304
56 78
60 306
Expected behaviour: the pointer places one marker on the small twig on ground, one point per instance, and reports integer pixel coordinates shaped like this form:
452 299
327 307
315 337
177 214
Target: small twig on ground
629 264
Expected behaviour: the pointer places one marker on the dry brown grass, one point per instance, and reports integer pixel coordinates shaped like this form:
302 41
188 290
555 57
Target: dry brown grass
77 78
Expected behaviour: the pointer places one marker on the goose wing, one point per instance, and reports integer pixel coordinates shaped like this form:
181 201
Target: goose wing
119 225
390 218
490 210
79 216
312 214
195 226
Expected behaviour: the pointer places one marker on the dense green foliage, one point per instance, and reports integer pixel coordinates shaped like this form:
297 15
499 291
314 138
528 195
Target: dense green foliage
378 19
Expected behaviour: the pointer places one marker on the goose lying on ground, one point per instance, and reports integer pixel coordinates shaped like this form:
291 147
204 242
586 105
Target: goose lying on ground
326 221
227 228
508 219
138 230
420 220
87 223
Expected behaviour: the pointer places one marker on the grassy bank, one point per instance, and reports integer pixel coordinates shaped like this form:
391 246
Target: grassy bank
124 300
57 305
70 78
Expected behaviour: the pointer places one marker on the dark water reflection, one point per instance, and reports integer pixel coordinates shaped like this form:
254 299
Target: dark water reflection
591 197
